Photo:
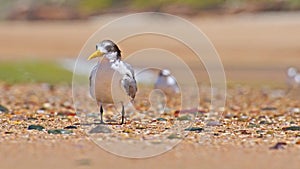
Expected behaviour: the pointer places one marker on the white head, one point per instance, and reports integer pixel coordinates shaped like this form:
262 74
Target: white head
165 72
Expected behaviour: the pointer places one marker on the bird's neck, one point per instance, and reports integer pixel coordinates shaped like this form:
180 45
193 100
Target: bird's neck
117 65
121 67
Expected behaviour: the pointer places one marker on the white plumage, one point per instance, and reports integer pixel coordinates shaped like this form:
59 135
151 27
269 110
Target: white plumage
166 83
111 80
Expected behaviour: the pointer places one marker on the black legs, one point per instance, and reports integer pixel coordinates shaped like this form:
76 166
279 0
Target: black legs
123 115
101 115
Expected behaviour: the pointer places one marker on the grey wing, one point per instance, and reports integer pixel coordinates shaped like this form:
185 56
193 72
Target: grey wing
130 87
129 83
92 80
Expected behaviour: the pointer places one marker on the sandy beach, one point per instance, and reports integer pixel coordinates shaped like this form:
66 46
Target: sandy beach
254 49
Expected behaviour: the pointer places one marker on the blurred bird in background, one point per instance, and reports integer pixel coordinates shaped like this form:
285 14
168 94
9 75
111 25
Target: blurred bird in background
293 79
166 83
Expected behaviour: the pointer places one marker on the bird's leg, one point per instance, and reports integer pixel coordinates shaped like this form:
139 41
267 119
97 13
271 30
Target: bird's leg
123 114
101 114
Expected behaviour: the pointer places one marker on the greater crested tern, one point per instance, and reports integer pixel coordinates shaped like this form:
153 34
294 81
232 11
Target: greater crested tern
166 83
292 78
101 77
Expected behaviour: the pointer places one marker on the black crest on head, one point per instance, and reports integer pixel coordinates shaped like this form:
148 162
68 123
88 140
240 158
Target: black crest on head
112 47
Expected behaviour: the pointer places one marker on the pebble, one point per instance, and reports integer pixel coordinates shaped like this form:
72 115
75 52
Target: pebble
140 126
265 122
36 127
40 111
47 105
8 132
127 130
229 116
3 109
31 118
292 128
295 110
161 119
268 108
182 118
173 136
70 127
279 145
246 132
243 118
252 125
60 131
213 123
67 113
100 129
196 129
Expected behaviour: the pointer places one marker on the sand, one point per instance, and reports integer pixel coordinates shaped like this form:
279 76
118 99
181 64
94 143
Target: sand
259 46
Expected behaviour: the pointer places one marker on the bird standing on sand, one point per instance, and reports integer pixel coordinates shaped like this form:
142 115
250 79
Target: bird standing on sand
101 77
166 83
293 78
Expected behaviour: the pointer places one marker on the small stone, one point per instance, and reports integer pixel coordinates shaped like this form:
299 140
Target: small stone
252 125
229 116
161 119
213 123
173 136
3 109
60 131
196 129
246 132
279 145
70 127
127 130
140 126
295 110
36 127
8 132
268 108
40 111
32 118
182 118
67 104
100 129
67 113
243 118
47 105
292 128
176 113
263 122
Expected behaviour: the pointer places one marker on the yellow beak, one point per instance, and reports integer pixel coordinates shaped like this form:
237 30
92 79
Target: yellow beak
95 54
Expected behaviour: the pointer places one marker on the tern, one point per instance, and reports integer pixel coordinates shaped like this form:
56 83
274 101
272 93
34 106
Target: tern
292 78
166 83
102 74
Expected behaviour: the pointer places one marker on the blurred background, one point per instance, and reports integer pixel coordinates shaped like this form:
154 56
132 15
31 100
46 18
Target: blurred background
257 40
